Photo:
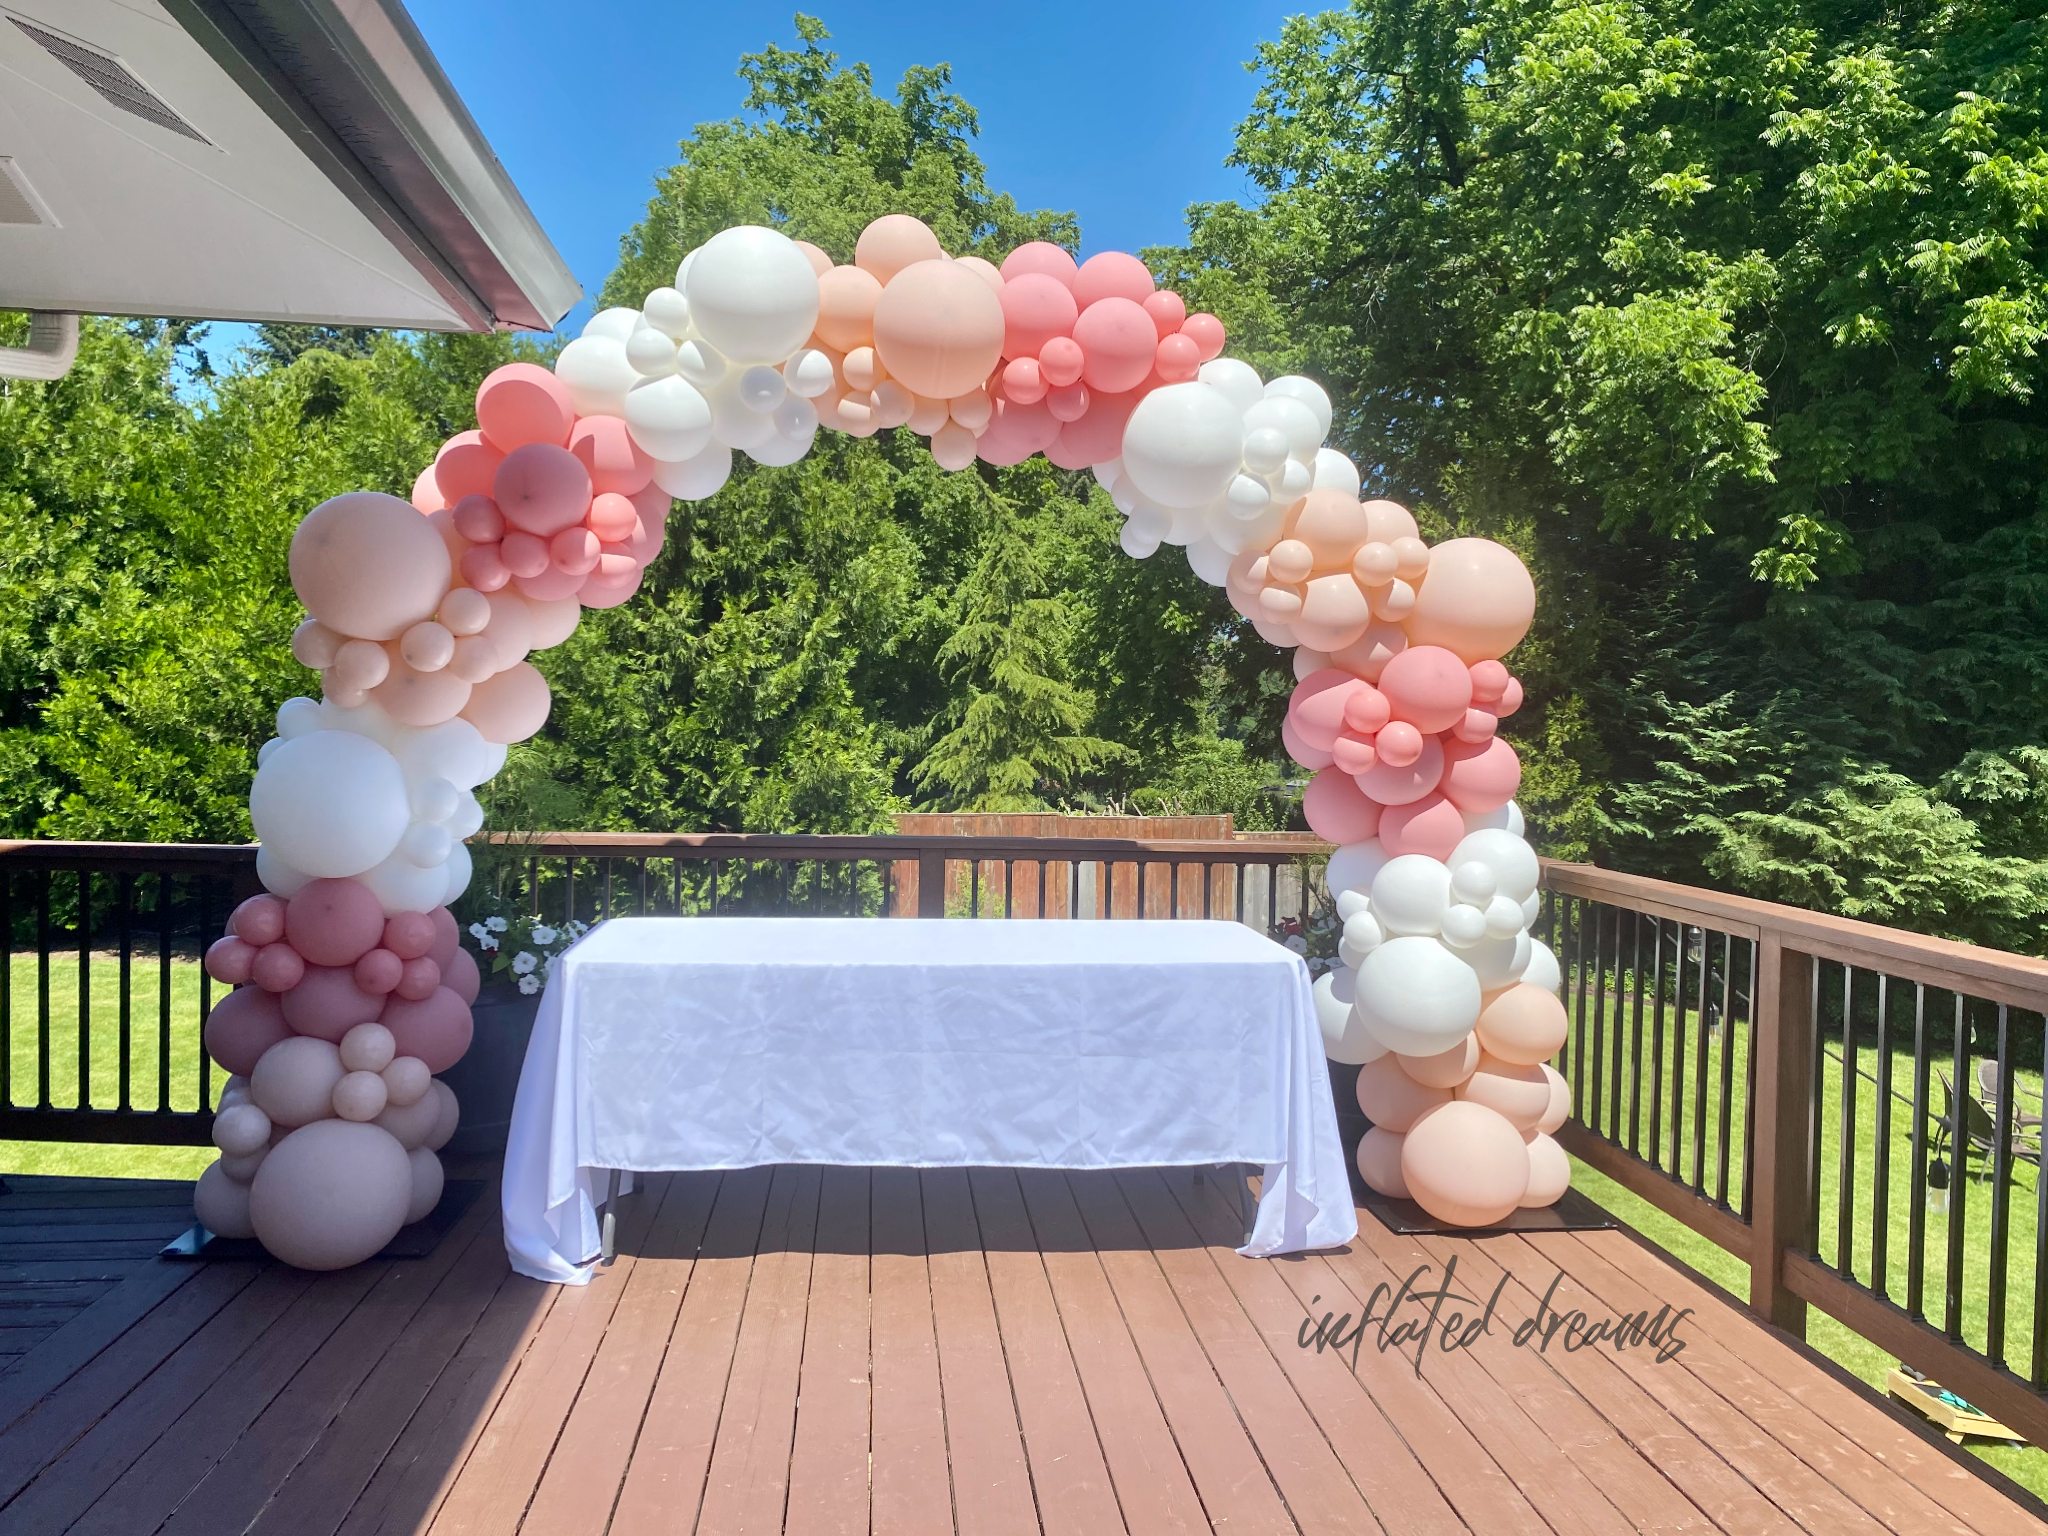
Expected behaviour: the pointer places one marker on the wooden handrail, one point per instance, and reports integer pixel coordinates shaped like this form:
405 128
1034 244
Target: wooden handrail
889 847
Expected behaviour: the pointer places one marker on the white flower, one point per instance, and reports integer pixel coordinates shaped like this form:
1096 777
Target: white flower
529 985
496 924
523 962
543 934
1294 941
487 942
478 930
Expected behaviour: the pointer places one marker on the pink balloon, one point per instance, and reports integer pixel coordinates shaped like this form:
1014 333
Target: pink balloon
938 329
574 551
426 492
613 518
608 452
378 972
654 505
1489 682
1510 699
334 922
462 976
524 554
1067 403
447 937
523 403
1098 436
436 1028
1404 784
328 1003
408 935
509 706
1366 710
1478 726
1016 432
1400 743
1114 275
1312 758
1337 809
259 920
465 466
229 960
541 489
601 590
1317 705
478 520
1481 777
418 979
1118 338
277 967
242 1026
1168 311
1427 686
1060 361
1039 256
1353 753
1207 333
1430 826
1177 359
549 586
1036 309
483 567
1022 382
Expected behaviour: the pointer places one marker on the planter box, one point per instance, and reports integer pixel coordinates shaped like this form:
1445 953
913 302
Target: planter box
486 1080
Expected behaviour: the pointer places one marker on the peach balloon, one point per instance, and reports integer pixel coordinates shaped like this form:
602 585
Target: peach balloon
893 242
820 262
1446 1069
1334 613
421 698
1481 776
1524 1024
1331 524
1519 1094
1368 655
1040 256
1431 826
242 1026
359 1096
938 329
846 308
1337 810
1560 1109
1117 337
1115 275
1036 309
465 465
406 1080
1379 1162
510 706
369 565
1427 686
1465 1165
1405 783
616 463
1550 1172
541 489
1391 1098
985 270
1387 521
523 403
1477 600
448 1117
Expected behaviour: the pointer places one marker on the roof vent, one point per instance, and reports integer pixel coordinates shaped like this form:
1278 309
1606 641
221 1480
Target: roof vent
107 75
18 201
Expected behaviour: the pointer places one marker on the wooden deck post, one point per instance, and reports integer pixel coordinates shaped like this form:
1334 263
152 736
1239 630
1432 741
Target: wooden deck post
1779 1219
931 882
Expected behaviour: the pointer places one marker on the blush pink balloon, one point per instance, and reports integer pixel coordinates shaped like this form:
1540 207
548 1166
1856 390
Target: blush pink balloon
1510 699
1060 361
612 517
1353 753
328 1003
1400 743
893 242
1098 436
523 403
242 1026
1040 256
1114 275
1023 383
1036 309
1404 784
259 920
1337 809
601 591
1207 333
1430 826
1311 758
334 922
607 450
419 979
549 586
1465 1165
1067 403
509 706
368 565
483 568
229 960
277 967
462 976
1489 682
436 1028
1118 339
1366 710
1016 432
1168 311
524 554
1177 360
409 935
1478 726
1427 686
541 489
447 937
574 551
1481 777
378 972
426 492
1317 705
465 466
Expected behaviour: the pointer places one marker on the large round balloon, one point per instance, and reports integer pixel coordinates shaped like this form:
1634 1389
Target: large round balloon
938 329
1181 446
1417 996
1477 600
752 294
330 803
1465 1165
331 1194
369 565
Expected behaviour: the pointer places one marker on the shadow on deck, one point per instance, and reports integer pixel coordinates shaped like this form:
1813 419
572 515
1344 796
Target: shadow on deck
847 1350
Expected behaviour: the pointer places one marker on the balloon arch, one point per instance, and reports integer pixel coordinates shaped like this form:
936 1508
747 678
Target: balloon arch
351 987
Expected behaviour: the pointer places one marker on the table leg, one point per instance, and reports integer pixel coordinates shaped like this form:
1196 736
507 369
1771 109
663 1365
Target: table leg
1247 1207
609 1229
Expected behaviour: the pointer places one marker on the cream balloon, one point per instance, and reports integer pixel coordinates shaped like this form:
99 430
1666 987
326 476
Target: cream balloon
331 1194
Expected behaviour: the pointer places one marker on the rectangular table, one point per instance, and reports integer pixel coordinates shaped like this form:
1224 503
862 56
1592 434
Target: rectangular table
699 1043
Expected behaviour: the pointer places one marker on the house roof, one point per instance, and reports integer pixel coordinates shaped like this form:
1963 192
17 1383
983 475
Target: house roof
299 160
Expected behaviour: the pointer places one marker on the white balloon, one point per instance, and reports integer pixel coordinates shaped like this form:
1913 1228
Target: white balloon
1507 819
669 418
1497 962
1152 520
701 363
1209 560
1260 532
1543 970
1512 861
1362 936
733 422
1187 524
298 717
1292 420
1474 881
434 798
683 269
1238 380
1503 917
668 312
453 750
1265 450
425 844
331 803
1292 483
1334 472
467 819
403 886
263 752
614 324
780 450
1418 997
1106 472
1532 908
1124 495
459 870
796 418
752 294
364 719
1309 393
1351 903
762 388
278 877
652 353
1464 925
1345 1037
1353 867
597 373
1181 445
1247 496
1410 895
1136 542
808 374
694 479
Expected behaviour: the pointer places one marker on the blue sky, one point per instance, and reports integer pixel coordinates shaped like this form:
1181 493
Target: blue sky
1122 112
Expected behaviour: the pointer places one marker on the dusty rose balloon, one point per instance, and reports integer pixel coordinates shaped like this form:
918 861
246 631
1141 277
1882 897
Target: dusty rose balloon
462 977
359 1096
259 920
1404 784
542 489
1560 1109
523 403
407 1080
1353 753
369 565
229 960
893 242
524 554
449 1117
1427 686
608 452
1465 1165
1519 1094
1117 337
574 551
1477 600
1040 256
1017 432
436 1029
413 1122
331 1195
418 698
1368 655
328 1003
1446 1069
1379 1162
368 1048
378 972
846 308
1098 436
1337 810
277 968
465 465
294 1082
427 1183
334 922
419 980
221 1204
1550 1172
1524 1024
1481 776
447 937
612 517
510 706
409 934
483 567
1114 274
938 329
1391 1098
242 1026
1036 308
1431 826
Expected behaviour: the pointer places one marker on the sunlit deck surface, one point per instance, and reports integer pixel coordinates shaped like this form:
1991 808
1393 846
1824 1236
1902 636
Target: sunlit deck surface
844 1350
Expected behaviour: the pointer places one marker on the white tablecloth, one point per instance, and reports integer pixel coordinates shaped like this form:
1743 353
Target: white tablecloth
684 1043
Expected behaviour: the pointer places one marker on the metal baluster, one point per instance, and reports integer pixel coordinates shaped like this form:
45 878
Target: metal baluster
164 893
205 1072
1009 874
1916 1180
714 887
1726 1113
1699 1072
1749 1085
1042 876
7 992
1657 1043
42 989
1635 1040
974 887
1845 1169
642 862
1208 882
85 989
1816 1078
2001 1194
1959 1150
2037 1371
1141 886
1881 1167
127 941
1597 1067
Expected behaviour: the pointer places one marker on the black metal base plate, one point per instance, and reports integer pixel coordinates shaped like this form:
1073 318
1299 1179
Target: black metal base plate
412 1242
1574 1213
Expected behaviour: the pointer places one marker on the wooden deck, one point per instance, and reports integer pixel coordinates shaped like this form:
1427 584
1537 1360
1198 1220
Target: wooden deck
844 1350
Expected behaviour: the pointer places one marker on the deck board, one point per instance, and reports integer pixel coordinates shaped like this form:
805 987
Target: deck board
848 1350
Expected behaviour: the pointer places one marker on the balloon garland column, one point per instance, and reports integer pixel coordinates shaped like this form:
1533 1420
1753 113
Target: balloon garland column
351 989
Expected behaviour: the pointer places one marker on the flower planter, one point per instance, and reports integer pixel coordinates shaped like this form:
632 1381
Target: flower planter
486 1080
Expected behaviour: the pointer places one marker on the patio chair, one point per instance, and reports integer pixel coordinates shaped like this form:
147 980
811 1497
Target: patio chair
2023 1119
1978 1128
